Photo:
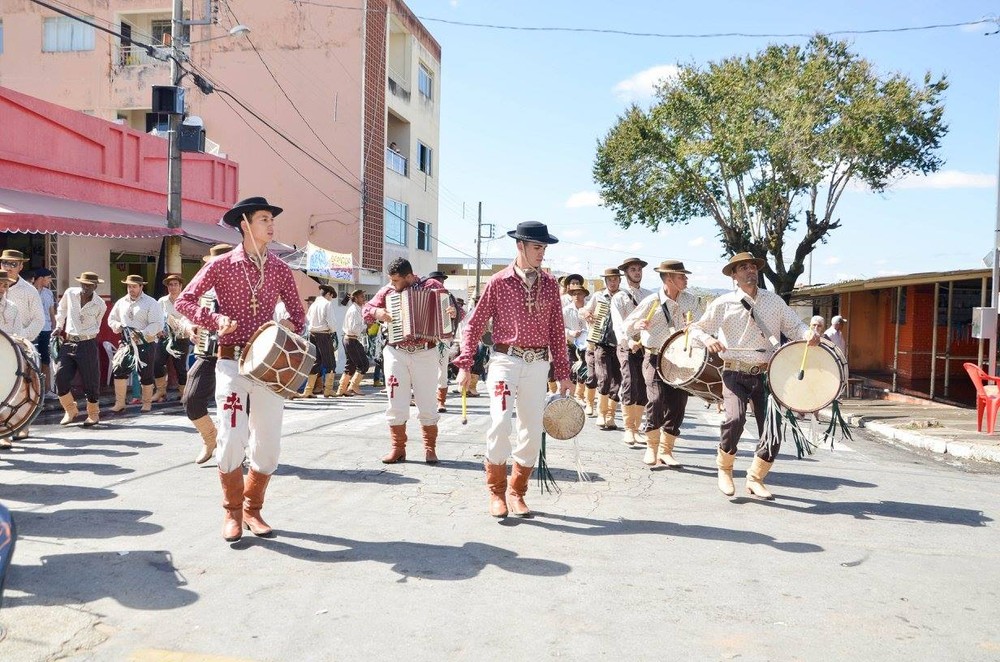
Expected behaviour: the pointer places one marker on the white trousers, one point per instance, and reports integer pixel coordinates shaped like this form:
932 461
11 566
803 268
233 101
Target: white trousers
417 371
249 419
442 350
514 384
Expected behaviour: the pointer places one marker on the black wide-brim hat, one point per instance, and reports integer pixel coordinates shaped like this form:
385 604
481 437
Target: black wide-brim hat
533 231
248 207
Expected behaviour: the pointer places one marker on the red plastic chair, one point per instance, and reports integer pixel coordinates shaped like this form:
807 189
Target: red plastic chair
985 402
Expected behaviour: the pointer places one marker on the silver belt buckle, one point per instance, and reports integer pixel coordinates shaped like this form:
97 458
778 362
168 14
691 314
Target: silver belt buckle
754 370
528 356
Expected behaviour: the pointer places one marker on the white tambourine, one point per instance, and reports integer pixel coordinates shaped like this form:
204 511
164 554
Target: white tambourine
563 418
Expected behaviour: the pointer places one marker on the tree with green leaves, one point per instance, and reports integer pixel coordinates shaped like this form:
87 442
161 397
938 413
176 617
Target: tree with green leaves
765 142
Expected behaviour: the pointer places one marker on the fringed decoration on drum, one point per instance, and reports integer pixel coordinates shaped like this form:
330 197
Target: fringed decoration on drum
546 481
775 422
55 346
803 446
127 354
837 422
582 475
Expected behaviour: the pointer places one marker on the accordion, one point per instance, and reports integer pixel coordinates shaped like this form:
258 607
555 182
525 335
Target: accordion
418 315
601 332
207 341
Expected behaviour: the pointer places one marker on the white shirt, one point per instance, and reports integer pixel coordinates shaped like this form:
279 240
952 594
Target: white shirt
173 319
143 314
573 321
25 297
354 323
730 319
48 303
320 316
837 338
679 309
10 318
623 303
80 321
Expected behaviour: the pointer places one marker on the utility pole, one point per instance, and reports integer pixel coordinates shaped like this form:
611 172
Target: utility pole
995 298
173 242
479 244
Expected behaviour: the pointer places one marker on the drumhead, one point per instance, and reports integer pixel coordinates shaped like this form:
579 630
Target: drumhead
10 358
822 380
563 418
257 350
680 365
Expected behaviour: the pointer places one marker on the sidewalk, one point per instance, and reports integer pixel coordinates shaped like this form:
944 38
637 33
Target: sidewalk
931 426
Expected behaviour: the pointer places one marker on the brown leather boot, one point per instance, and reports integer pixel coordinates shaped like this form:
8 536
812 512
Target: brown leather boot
430 443
180 391
356 383
147 397
161 389
603 405
517 487
253 501
345 381
121 388
69 406
329 390
590 396
724 461
232 502
609 421
652 447
442 396
397 435
209 435
496 481
93 414
755 478
307 392
666 454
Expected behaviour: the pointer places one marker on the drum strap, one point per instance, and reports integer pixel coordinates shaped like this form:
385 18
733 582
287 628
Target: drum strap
771 338
666 314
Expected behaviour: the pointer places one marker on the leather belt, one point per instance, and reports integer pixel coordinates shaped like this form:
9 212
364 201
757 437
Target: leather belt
526 354
412 348
747 368
346 336
230 352
80 338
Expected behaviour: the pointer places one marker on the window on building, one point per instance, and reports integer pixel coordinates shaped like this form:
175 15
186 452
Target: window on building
423 236
423 158
63 34
395 221
1 37
160 29
425 82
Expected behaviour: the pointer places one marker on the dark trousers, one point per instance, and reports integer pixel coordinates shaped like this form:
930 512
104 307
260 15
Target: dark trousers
357 358
633 385
326 356
591 367
737 389
200 389
574 356
42 345
146 356
609 371
179 362
82 357
665 409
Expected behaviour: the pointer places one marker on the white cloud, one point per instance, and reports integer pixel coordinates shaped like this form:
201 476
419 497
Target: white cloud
642 86
572 234
830 261
697 241
980 26
946 179
636 245
584 199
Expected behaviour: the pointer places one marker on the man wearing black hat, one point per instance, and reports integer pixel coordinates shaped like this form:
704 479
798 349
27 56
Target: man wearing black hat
321 324
597 313
528 332
138 318
672 310
248 282
78 321
748 323
630 354
174 344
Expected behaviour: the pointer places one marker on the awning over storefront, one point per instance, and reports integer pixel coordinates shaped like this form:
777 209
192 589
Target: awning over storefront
34 213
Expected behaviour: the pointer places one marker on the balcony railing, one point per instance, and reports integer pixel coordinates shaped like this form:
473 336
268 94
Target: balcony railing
398 89
396 162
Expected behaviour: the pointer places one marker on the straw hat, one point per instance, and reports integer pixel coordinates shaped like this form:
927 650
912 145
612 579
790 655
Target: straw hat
11 255
176 277
578 289
671 267
216 251
133 279
632 260
89 278
740 258
611 272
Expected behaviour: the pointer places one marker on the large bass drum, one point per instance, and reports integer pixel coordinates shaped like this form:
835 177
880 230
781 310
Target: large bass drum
278 359
685 363
20 385
823 376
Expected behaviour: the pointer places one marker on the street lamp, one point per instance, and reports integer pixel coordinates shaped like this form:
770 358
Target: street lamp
235 31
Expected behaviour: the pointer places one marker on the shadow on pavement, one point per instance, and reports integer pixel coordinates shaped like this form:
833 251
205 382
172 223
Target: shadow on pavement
410 559
89 443
866 510
561 475
811 481
624 527
136 579
50 495
73 452
383 477
18 464
89 523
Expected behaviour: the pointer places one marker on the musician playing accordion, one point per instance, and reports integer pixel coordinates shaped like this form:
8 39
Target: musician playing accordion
411 357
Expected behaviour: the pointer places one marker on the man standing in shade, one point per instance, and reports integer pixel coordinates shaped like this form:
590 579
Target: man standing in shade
630 354
248 283
138 318
607 367
320 320
355 330
43 283
78 321
175 346
524 305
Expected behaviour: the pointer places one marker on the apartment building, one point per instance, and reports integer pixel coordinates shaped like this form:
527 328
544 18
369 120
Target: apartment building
331 112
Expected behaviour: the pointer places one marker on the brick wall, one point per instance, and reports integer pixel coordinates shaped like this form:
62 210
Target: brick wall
373 229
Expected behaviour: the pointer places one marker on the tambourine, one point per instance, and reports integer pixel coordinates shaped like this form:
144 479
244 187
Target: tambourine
563 418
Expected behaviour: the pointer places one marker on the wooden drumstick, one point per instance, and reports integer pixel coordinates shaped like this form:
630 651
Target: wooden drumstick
652 311
802 368
687 332
465 417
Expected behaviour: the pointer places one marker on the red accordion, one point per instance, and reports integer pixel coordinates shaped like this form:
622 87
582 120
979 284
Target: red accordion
418 315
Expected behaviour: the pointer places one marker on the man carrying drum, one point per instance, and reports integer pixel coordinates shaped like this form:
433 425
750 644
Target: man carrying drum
175 346
659 315
528 332
10 323
748 323
27 300
138 318
630 354
409 365
248 282
606 366
78 321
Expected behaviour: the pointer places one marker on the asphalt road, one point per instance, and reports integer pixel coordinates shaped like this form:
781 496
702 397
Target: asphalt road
868 551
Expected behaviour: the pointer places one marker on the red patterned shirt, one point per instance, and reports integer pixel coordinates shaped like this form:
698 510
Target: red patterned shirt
235 278
521 317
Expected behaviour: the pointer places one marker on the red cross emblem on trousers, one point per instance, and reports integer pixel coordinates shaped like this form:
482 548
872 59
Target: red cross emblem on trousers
233 403
502 391
393 383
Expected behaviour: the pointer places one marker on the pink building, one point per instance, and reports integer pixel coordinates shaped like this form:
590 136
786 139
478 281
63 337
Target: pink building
308 102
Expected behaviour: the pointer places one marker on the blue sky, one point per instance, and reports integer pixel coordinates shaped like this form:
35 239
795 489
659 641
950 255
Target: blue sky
521 113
